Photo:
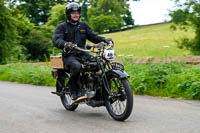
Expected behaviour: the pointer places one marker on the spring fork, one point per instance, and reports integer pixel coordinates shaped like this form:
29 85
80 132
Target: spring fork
105 81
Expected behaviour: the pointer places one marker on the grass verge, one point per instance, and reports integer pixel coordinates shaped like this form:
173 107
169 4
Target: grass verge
27 74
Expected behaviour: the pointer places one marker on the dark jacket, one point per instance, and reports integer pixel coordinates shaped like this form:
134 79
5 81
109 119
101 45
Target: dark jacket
66 32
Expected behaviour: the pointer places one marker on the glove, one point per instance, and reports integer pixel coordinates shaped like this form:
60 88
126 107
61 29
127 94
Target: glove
68 45
107 40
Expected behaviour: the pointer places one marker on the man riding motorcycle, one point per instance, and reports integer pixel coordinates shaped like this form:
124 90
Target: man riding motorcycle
71 32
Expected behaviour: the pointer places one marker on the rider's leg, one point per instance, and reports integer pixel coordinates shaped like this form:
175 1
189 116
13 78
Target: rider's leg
74 81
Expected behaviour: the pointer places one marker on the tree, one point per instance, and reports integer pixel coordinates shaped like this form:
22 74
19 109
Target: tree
126 15
37 46
106 23
118 10
13 26
6 38
57 15
186 16
84 9
37 10
105 18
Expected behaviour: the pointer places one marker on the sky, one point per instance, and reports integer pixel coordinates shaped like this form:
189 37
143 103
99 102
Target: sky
150 11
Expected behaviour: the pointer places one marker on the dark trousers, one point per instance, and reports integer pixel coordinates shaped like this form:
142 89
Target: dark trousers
74 65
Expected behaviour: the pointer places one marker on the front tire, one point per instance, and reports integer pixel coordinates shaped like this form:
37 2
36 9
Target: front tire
120 104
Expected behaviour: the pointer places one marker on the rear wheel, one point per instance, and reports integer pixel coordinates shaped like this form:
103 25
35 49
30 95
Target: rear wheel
65 99
119 105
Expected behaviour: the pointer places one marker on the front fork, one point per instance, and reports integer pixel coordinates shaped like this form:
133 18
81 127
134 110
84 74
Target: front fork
104 78
121 93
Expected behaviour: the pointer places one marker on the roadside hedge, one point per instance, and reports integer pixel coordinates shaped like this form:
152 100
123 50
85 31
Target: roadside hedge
174 79
27 74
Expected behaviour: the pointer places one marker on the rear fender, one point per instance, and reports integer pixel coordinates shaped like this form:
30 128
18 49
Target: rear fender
54 73
59 72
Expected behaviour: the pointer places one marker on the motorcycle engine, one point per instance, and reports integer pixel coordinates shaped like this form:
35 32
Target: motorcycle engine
90 92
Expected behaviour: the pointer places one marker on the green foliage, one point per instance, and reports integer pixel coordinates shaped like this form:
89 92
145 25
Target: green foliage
28 74
37 46
126 15
195 87
13 26
109 18
187 15
7 39
37 10
84 10
128 18
114 7
169 80
57 15
21 40
46 30
103 23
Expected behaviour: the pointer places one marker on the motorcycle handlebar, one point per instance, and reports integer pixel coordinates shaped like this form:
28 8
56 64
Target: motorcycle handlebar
80 49
100 46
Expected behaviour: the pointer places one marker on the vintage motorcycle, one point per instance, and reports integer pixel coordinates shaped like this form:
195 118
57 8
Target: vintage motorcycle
102 82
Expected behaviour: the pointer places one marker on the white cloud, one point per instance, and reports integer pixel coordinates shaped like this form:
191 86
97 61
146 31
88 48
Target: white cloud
150 11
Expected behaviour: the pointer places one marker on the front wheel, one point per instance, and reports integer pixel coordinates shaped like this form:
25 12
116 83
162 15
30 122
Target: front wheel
120 104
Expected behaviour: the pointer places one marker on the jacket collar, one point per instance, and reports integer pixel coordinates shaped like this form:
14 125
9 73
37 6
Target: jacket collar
72 22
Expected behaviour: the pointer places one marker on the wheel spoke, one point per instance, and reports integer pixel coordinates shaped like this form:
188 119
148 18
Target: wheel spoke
123 104
118 106
69 100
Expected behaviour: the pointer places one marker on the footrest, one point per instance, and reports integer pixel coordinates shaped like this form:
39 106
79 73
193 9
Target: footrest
58 93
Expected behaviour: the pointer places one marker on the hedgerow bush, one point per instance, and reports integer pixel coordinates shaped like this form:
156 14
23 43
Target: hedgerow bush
174 79
28 74
165 79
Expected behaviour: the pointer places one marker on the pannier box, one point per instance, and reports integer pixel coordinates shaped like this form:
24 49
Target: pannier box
56 62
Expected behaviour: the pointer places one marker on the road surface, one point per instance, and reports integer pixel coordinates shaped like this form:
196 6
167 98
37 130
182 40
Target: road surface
33 109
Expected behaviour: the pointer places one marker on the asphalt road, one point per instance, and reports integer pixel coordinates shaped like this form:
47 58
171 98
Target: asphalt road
33 109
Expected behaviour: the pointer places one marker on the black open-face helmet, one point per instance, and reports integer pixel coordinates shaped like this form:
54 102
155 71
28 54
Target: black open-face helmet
72 7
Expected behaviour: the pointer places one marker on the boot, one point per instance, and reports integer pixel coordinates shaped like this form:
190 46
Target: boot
74 95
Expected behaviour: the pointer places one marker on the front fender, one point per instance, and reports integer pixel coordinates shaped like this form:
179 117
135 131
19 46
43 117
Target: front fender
118 73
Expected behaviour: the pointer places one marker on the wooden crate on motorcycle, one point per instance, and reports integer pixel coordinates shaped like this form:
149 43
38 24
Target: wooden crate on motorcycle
56 62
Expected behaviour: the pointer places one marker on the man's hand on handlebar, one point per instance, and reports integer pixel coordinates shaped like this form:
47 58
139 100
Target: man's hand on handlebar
68 45
108 40
99 45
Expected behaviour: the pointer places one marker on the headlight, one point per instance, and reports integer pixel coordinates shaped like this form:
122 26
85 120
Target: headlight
109 54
